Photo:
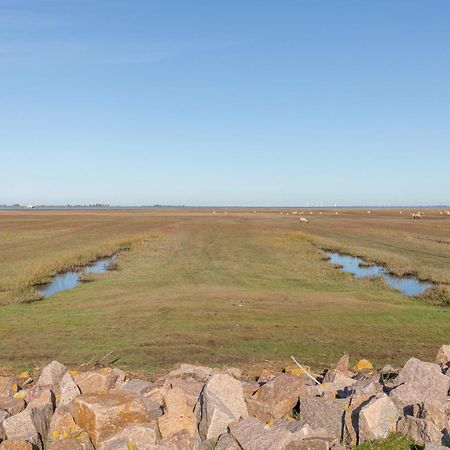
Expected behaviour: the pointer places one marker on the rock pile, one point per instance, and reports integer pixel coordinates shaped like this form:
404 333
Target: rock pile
197 407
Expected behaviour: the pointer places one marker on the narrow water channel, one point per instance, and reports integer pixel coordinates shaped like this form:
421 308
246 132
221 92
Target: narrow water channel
68 280
407 285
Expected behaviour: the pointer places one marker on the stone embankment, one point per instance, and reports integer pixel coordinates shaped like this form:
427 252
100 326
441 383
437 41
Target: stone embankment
195 407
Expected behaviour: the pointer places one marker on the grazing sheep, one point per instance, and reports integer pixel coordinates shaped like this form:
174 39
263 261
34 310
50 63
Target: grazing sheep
369 212
304 220
417 215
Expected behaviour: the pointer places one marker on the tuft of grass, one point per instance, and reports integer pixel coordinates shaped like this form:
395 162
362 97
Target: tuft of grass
393 442
436 295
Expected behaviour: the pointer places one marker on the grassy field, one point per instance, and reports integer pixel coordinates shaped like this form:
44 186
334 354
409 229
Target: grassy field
237 288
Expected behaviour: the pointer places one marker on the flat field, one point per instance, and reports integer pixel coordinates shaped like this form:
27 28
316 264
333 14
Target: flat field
227 288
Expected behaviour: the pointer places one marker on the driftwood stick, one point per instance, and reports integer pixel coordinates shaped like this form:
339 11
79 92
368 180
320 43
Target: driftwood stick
304 370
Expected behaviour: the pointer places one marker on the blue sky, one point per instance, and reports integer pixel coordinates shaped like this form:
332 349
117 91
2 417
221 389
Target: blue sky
225 102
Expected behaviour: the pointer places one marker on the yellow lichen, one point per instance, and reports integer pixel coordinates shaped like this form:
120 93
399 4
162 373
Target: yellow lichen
363 364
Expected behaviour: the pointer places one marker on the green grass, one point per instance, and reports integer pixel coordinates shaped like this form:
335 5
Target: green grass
213 290
393 442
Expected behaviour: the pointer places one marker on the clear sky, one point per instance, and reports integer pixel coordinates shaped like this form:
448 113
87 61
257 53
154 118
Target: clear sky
225 102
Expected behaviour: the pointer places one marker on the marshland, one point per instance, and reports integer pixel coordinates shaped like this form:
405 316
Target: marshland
233 287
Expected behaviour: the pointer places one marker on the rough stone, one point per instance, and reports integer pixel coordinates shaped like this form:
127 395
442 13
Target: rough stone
63 430
377 419
32 423
443 356
7 386
253 435
16 444
227 442
52 374
68 390
343 365
249 388
222 403
11 405
178 414
276 398
200 373
138 436
139 387
179 441
420 382
101 380
191 388
324 413
103 414
309 444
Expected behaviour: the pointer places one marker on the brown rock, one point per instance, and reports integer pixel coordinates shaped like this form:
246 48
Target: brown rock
443 356
103 414
200 373
179 441
249 388
343 364
308 444
32 423
191 388
141 436
11 405
178 415
101 380
63 430
7 386
15 444
276 398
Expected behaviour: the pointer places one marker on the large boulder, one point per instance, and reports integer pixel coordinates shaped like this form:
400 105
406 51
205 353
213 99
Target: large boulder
276 398
319 412
178 414
426 425
52 374
377 419
222 403
419 382
104 414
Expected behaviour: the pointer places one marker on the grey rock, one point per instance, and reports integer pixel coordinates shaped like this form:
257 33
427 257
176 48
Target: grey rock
52 374
253 435
377 419
420 382
324 413
222 403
